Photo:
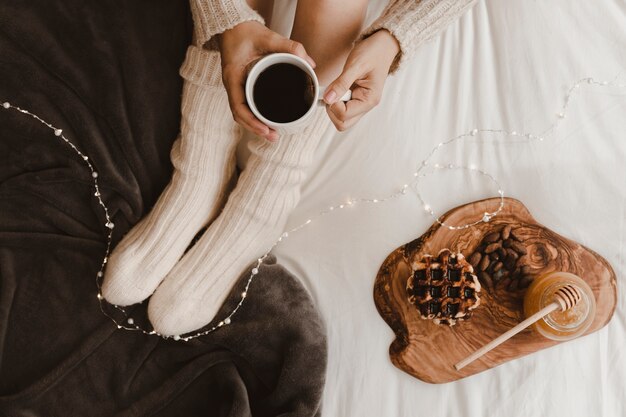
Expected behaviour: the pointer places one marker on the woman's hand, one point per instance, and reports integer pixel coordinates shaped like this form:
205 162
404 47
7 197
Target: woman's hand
239 47
365 71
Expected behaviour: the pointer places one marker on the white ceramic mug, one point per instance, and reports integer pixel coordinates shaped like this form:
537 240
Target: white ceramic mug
285 58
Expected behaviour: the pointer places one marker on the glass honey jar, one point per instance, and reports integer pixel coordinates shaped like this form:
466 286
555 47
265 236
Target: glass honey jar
560 325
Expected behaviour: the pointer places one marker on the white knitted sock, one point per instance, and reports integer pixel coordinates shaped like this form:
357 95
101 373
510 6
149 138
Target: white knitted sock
204 163
253 219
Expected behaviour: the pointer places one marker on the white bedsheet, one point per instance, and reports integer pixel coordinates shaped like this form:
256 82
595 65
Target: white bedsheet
505 64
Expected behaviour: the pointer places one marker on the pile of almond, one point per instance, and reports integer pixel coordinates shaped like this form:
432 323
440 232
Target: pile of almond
500 260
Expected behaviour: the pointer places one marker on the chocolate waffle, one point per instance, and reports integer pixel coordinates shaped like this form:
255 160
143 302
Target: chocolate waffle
443 288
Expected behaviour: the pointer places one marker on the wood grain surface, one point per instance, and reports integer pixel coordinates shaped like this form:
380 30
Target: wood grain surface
428 351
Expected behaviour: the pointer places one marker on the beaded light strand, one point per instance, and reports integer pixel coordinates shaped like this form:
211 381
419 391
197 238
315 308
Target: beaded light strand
129 323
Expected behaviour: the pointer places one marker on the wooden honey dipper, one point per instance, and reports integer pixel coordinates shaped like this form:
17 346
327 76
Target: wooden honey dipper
565 298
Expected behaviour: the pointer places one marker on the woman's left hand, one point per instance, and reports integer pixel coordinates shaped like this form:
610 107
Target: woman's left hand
365 72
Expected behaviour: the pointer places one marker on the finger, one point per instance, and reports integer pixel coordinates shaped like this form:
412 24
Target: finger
350 109
280 44
243 115
342 84
272 136
363 100
233 81
248 120
340 124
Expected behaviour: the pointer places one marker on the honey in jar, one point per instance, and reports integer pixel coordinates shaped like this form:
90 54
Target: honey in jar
560 325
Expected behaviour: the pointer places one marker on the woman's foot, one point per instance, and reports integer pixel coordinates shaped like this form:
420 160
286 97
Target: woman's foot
253 219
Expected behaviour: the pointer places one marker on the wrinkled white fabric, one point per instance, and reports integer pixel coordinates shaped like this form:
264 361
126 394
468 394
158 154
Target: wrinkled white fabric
504 64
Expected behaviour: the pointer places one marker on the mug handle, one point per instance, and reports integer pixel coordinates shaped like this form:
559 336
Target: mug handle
346 97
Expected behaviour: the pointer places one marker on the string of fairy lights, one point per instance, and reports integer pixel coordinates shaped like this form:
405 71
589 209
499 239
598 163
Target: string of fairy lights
422 171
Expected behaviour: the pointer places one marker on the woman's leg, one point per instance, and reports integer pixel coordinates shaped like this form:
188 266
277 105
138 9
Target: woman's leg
204 164
256 212
327 29
253 219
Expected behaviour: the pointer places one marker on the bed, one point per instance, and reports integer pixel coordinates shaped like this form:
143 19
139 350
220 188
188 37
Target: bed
505 64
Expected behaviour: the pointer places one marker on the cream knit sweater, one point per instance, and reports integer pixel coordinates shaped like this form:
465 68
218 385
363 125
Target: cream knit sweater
411 22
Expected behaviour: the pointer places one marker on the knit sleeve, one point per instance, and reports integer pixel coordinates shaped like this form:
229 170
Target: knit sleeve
413 22
211 17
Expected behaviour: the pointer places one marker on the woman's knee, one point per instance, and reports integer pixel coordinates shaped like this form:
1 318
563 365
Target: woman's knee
263 7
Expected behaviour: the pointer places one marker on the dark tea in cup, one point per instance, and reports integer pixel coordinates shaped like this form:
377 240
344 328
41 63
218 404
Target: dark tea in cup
283 93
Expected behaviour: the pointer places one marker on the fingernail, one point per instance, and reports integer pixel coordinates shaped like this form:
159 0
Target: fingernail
330 97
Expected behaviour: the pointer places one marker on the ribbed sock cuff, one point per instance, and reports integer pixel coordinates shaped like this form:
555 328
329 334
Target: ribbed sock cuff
202 67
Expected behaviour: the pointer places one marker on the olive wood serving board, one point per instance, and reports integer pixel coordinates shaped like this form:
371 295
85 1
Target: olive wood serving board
428 351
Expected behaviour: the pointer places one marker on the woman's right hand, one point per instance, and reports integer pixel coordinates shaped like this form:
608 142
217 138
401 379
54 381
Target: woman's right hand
241 46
